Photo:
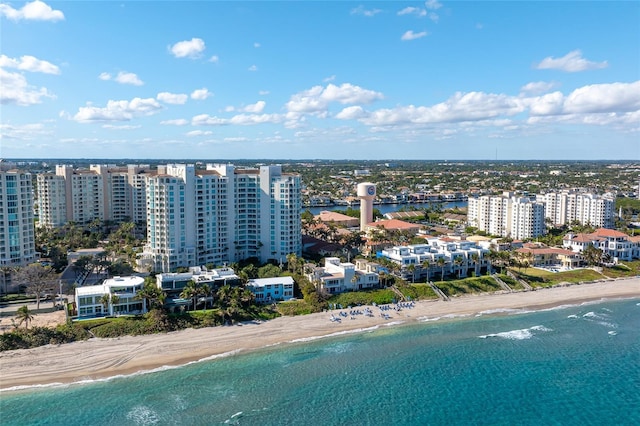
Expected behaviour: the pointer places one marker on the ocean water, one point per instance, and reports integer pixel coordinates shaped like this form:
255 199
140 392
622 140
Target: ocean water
576 365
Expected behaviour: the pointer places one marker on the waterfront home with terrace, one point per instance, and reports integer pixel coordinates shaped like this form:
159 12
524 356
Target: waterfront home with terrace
615 244
337 277
115 296
442 255
173 283
267 290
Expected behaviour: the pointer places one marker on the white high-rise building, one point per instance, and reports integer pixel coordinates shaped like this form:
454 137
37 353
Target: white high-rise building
105 193
507 216
221 214
589 209
70 195
527 219
17 234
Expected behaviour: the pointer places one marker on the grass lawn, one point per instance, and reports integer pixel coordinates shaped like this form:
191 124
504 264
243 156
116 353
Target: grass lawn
355 298
419 292
468 285
541 278
624 269
294 307
513 284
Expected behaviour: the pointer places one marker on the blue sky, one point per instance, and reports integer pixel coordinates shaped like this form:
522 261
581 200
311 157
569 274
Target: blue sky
320 80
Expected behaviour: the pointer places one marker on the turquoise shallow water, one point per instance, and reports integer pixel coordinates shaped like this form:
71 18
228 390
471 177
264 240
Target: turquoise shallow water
577 365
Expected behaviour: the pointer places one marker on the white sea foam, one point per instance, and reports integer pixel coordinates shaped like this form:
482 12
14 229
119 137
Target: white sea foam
449 316
602 319
387 324
572 316
612 333
522 334
338 333
143 415
501 311
233 418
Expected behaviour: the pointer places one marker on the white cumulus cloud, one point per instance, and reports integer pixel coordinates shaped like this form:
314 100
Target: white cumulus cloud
351 113
194 133
256 108
120 127
36 11
240 119
410 35
460 107
118 110
360 10
253 68
172 98
433 4
29 63
207 120
249 119
318 98
417 11
188 48
201 94
122 77
604 98
14 89
571 62
538 87
175 122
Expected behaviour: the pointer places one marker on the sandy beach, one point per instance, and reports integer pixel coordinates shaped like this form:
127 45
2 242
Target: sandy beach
100 358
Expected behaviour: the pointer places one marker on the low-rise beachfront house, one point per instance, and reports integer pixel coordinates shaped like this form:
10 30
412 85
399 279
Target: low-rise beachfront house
546 257
115 296
337 277
614 244
174 283
267 290
438 256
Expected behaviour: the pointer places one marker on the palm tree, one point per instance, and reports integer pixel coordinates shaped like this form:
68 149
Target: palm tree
152 294
354 280
592 255
24 315
191 291
292 262
412 269
475 258
109 299
458 261
441 262
425 265
383 278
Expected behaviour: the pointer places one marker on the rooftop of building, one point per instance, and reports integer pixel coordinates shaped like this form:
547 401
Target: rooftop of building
394 224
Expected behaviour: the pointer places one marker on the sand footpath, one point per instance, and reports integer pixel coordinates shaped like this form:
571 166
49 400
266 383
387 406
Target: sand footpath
99 358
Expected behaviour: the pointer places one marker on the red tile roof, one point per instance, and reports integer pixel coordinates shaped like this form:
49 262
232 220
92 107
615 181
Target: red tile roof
609 233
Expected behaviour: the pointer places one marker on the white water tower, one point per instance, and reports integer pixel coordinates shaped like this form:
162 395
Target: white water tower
366 193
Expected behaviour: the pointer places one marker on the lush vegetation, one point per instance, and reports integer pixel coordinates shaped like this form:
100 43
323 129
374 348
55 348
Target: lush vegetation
380 297
623 269
418 292
468 285
23 338
513 284
541 278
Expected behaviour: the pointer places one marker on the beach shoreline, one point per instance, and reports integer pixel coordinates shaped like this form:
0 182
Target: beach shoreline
98 359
